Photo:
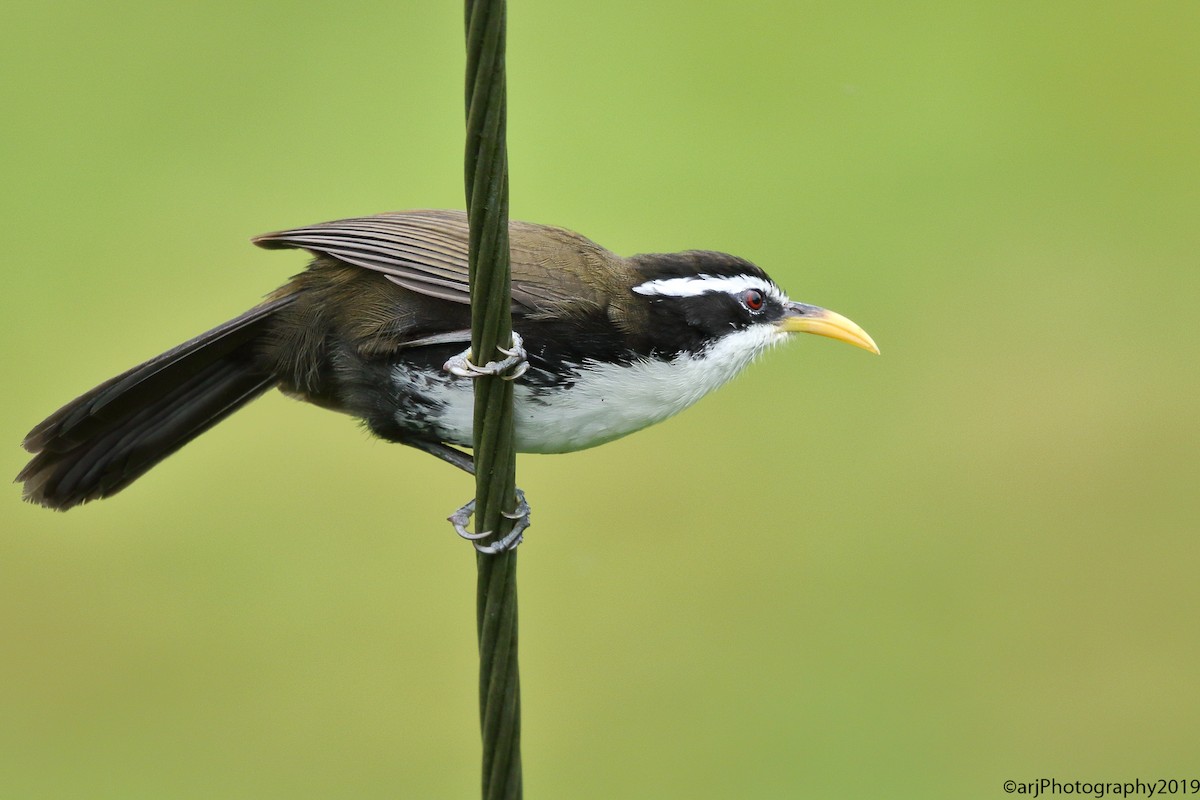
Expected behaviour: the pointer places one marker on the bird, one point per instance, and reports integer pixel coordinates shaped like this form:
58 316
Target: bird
375 327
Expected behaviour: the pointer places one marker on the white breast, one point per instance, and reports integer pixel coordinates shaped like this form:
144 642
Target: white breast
606 401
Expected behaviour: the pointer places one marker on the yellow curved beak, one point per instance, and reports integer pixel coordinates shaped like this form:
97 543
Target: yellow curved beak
801 318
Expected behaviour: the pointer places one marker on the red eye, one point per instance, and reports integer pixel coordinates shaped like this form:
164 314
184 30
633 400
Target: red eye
753 299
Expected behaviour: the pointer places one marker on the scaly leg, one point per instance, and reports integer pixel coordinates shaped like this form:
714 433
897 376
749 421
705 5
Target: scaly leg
516 360
521 515
510 368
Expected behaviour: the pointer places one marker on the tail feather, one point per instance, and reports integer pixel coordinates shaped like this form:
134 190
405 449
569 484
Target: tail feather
102 441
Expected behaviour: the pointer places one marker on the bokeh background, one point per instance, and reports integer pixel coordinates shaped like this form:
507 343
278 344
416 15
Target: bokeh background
974 558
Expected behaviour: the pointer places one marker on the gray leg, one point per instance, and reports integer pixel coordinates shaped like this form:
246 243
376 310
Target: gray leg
445 452
459 519
513 366
516 360
521 515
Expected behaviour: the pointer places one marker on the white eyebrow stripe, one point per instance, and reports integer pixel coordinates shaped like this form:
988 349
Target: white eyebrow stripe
694 286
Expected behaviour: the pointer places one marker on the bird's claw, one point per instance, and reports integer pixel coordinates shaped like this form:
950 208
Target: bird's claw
512 366
459 519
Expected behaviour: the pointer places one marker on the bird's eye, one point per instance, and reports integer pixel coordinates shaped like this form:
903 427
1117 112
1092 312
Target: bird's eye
753 299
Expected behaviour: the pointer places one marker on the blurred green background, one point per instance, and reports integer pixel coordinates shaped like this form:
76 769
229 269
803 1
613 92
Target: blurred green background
974 558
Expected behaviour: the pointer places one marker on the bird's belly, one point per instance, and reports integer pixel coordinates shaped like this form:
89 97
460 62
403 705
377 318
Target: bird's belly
599 403
604 402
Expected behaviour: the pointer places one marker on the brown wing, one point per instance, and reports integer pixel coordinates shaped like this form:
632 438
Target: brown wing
553 269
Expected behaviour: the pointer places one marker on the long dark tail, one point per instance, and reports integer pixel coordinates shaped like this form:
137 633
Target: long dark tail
101 442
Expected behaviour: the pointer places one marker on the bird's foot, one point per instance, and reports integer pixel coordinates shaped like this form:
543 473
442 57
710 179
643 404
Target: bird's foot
513 366
520 517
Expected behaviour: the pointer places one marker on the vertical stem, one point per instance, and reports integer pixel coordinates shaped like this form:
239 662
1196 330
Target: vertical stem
495 458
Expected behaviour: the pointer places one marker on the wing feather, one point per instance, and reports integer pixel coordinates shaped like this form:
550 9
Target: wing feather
553 270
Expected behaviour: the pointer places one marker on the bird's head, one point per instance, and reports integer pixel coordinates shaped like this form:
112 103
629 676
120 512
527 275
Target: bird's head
699 300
